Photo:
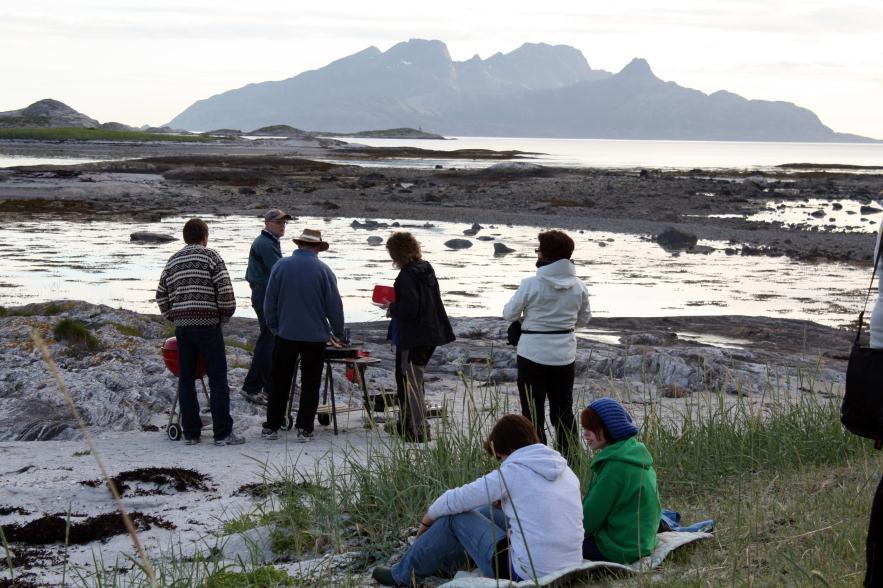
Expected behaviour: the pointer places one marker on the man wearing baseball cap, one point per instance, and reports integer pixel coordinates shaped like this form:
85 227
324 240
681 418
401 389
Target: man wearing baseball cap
265 252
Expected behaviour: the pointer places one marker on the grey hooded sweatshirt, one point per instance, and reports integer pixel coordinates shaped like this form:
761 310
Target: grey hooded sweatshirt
541 498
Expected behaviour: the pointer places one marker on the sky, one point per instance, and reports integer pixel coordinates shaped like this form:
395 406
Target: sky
144 61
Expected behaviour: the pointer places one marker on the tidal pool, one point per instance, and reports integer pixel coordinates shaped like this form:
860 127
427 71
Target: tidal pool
44 258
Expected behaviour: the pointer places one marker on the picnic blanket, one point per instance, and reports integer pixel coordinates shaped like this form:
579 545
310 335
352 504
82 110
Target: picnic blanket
668 542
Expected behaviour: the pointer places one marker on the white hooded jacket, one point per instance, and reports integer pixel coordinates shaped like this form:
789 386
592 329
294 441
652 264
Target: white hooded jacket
540 496
552 300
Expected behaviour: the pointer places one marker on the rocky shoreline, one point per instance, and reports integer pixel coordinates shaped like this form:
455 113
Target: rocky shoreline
122 385
301 177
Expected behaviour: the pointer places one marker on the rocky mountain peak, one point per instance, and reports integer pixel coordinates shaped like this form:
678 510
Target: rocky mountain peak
420 52
47 107
47 113
638 68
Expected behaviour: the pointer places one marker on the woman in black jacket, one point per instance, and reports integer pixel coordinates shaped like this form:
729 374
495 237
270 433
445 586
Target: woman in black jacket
419 325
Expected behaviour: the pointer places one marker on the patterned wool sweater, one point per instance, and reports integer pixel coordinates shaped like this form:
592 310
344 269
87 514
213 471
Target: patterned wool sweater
194 288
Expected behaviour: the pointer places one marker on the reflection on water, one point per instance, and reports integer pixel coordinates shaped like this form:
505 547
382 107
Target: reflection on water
834 215
42 258
616 153
16 160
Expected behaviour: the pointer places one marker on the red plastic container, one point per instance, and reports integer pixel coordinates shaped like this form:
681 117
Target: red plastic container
351 370
170 356
383 295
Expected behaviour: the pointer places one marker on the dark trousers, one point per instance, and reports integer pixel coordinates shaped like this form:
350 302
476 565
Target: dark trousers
590 549
207 344
285 355
260 375
410 389
874 543
538 382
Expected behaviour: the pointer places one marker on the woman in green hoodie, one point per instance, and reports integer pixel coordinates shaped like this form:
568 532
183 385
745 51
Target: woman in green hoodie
621 510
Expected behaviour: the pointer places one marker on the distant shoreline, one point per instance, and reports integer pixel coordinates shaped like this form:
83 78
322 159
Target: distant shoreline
303 178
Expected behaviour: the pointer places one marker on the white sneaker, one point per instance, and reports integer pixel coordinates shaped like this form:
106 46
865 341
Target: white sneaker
269 434
303 436
231 439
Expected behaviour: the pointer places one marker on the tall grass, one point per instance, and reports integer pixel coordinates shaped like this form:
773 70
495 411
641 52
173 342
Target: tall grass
789 488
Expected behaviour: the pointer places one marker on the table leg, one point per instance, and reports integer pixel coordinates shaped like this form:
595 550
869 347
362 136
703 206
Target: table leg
329 385
369 409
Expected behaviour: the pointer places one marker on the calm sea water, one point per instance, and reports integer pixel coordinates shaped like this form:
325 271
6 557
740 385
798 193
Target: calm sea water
16 160
654 154
603 153
44 258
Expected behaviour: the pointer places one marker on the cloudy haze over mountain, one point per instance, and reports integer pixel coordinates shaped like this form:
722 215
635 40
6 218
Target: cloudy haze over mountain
144 62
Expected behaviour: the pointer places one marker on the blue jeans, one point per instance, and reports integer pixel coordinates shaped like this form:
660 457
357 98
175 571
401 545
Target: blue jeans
207 344
444 546
260 375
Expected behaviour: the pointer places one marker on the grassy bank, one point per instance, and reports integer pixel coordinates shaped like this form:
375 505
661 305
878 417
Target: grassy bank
80 134
789 488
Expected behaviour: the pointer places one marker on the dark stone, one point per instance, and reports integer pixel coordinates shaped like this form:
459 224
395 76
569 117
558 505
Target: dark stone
148 237
502 249
672 238
458 244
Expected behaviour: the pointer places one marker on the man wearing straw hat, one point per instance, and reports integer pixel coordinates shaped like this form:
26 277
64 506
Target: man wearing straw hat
304 311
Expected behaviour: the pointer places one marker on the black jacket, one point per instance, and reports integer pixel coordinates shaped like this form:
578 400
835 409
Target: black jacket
421 316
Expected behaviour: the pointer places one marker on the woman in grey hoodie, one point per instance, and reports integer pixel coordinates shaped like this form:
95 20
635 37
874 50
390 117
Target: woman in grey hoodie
550 306
521 521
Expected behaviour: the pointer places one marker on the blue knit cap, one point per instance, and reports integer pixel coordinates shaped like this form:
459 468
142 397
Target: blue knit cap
617 420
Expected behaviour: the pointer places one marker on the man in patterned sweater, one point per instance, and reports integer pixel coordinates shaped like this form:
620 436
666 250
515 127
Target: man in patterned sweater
195 293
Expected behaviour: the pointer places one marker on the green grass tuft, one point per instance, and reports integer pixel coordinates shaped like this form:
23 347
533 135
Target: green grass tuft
81 134
245 346
127 330
262 577
75 333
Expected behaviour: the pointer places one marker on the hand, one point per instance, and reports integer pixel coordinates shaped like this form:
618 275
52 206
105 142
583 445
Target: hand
424 525
335 342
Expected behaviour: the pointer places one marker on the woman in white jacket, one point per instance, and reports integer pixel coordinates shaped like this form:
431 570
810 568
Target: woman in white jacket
550 305
521 521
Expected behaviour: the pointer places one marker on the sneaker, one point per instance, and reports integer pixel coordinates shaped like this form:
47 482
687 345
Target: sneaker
383 576
231 439
193 441
269 434
303 436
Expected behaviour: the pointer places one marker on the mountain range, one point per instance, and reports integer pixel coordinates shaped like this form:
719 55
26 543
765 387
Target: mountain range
537 90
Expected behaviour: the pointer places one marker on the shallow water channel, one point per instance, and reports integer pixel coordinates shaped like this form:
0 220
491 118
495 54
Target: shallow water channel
43 258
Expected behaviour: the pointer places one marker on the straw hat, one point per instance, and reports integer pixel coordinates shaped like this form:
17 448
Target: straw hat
312 237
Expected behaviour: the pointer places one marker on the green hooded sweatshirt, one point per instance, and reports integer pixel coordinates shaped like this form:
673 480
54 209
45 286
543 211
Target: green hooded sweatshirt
621 509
